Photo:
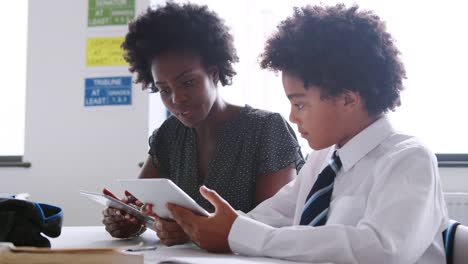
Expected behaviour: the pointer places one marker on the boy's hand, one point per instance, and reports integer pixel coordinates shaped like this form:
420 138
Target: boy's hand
210 233
169 232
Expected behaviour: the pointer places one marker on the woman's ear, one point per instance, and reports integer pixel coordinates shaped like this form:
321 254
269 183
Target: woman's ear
214 73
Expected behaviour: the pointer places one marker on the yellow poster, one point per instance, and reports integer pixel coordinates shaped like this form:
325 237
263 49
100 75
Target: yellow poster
104 52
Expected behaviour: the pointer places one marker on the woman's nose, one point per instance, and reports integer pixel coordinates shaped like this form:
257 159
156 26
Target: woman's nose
179 98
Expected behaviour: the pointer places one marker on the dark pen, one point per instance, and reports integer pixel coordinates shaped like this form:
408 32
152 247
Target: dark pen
139 249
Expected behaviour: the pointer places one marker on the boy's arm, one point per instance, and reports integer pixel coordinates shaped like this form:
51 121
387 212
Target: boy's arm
402 219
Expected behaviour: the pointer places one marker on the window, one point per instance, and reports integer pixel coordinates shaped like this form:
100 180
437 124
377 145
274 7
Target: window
13 67
433 42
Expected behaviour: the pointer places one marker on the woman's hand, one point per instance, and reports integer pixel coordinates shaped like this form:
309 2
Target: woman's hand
169 232
118 223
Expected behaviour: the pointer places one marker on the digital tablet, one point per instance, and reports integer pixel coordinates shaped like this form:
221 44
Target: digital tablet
159 192
109 201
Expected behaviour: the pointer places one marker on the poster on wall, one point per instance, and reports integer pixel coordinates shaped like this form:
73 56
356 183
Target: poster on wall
104 51
110 12
108 91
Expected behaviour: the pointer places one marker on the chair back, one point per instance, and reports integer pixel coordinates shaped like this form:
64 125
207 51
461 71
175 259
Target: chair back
460 247
456 243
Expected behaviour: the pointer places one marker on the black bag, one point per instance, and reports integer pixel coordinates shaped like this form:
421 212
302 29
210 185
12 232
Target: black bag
22 222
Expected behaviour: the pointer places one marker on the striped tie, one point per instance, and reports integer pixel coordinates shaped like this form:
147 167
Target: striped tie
317 202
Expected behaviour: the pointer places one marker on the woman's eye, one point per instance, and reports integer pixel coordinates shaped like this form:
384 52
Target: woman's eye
161 90
152 88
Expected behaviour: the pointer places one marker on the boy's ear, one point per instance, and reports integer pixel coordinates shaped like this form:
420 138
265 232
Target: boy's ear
351 99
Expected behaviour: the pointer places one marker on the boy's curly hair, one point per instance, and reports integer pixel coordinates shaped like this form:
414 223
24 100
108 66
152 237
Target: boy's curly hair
175 27
337 49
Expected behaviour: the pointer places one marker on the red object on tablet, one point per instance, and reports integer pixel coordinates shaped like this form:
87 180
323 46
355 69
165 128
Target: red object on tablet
107 192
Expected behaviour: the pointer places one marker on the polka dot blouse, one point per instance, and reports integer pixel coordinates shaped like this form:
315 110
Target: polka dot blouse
254 143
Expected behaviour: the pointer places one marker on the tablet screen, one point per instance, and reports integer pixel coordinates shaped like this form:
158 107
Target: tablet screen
114 203
159 192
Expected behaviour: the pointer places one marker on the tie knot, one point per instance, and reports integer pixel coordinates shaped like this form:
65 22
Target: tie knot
335 162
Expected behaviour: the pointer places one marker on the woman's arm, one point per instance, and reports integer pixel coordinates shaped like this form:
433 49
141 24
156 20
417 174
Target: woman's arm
269 184
149 170
277 157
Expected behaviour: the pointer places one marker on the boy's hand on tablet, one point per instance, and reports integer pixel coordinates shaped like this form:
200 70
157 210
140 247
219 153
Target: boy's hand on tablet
169 232
210 233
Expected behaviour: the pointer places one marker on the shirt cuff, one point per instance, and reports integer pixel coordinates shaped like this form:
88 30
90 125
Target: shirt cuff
247 236
239 212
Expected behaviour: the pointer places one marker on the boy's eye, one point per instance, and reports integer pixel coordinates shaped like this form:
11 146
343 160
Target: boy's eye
188 83
299 106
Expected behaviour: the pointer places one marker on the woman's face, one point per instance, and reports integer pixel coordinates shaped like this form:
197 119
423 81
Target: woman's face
187 89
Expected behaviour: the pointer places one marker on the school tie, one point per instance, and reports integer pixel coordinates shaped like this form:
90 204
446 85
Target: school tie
316 207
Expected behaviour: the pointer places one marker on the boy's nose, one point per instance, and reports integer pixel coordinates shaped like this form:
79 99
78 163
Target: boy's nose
293 118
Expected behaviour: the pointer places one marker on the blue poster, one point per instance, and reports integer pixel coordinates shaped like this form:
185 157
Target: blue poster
108 91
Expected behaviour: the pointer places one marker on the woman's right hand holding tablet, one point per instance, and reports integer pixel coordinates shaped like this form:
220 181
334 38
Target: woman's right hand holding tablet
120 224
169 232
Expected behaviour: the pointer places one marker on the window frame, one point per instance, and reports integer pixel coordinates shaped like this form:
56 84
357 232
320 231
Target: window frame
449 160
14 161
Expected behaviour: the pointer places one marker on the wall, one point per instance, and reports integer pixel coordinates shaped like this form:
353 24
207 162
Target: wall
454 179
72 147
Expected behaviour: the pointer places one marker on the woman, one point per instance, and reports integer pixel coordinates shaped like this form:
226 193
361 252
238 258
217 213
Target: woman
245 154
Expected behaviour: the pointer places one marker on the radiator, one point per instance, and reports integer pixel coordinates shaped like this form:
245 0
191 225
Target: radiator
457 206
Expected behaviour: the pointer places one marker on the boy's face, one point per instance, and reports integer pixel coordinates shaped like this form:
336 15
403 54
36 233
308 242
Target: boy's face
320 121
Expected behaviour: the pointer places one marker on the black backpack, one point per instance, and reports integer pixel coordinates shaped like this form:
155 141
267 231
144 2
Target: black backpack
22 222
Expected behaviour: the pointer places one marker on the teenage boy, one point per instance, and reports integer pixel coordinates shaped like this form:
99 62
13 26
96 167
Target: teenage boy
368 194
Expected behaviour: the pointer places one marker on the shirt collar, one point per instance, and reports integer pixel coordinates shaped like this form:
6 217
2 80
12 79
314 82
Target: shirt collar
361 144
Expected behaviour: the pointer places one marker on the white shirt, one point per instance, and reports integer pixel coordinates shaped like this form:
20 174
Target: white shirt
387 207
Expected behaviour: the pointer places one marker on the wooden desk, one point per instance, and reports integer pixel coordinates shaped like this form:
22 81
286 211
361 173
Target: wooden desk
97 237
